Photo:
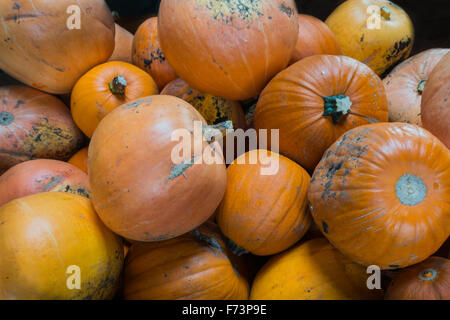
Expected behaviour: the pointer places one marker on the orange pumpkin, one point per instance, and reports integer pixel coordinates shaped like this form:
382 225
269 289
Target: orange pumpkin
44 47
79 160
380 194
124 44
141 189
35 125
104 88
316 100
50 239
264 208
147 53
227 48
405 83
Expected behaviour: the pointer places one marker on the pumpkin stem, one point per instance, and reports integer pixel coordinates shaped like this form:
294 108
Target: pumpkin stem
234 248
118 85
410 190
210 241
6 118
336 106
427 274
210 132
421 85
385 13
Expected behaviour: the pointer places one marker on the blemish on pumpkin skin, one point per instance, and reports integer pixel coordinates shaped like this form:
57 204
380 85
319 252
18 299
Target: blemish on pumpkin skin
286 10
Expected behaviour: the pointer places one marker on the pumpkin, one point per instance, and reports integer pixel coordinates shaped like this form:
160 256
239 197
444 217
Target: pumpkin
435 101
148 55
376 32
314 37
405 84
124 43
79 160
46 239
144 186
35 125
264 207
429 280
229 49
43 47
104 88
313 270
42 175
315 100
380 194
192 266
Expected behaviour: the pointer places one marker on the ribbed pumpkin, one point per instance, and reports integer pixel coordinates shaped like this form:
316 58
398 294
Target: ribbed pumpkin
147 53
42 175
139 187
315 100
405 84
429 280
381 194
313 270
228 48
44 236
79 159
39 49
34 125
190 267
264 207
124 44
379 46
106 87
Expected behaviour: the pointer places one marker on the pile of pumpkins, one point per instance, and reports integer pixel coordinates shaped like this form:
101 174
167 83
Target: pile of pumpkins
363 176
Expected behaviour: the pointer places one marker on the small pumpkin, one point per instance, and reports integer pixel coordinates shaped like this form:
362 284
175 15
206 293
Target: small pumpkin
104 88
124 44
79 160
405 84
35 125
380 194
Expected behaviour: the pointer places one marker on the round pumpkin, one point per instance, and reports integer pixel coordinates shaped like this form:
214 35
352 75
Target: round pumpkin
35 125
315 100
190 267
314 37
123 45
429 280
227 48
79 160
380 194
106 87
44 47
435 101
376 32
313 270
47 239
144 186
405 84
264 208
148 55
42 175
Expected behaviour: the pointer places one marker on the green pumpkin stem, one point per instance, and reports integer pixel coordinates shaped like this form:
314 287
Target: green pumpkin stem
336 106
210 132
234 248
118 85
385 13
421 85
6 118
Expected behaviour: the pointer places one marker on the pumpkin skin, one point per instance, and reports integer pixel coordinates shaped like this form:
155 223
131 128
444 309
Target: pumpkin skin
435 101
170 269
79 160
378 48
97 92
137 190
229 49
35 125
293 103
42 175
148 55
264 210
314 37
42 52
404 85
313 270
123 45
52 231
380 194
429 280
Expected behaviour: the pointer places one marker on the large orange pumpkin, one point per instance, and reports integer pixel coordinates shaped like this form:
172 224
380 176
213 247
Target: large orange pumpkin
124 44
47 239
144 186
79 159
405 84
228 48
381 194
43 46
104 88
193 266
34 125
314 101
264 207
376 32
148 55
